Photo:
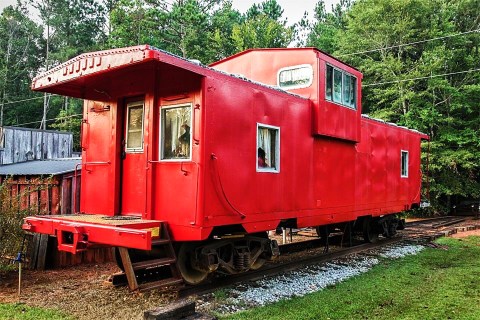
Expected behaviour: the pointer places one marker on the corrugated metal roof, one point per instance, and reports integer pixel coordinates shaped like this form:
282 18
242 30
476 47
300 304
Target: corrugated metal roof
40 167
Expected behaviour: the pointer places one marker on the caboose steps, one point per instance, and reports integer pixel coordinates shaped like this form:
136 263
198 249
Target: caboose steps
153 263
160 284
146 270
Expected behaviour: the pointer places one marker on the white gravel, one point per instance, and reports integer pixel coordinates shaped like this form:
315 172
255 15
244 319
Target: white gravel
301 282
397 252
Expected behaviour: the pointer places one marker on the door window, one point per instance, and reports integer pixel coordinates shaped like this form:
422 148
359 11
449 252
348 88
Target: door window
134 134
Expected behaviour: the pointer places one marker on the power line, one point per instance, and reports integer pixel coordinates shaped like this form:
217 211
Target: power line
411 43
57 118
17 101
419 78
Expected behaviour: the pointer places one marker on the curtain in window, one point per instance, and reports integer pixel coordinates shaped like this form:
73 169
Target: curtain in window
264 142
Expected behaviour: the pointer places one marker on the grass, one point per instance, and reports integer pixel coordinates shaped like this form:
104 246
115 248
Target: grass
21 311
435 284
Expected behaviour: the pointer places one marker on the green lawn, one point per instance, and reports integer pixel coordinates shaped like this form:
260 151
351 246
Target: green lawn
435 284
22 312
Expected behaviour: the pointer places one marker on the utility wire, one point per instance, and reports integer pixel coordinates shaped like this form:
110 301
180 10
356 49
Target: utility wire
410 43
12 102
419 78
57 118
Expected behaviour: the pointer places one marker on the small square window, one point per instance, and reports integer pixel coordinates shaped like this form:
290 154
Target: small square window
404 165
176 138
268 148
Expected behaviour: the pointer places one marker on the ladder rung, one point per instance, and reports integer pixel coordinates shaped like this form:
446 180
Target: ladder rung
161 283
160 241
153 263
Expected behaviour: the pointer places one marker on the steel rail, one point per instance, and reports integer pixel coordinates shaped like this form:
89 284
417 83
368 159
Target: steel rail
275 268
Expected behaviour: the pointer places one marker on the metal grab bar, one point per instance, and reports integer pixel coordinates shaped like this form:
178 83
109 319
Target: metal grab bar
195 140
75 175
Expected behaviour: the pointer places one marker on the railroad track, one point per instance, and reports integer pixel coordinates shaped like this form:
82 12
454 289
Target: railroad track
437 222
422 231
417 231
275 268
425 225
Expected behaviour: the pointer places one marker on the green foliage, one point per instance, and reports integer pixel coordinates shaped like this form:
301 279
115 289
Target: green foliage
12 212
262 28
397 86
73 27
69 119
325 30
435 284
20 311
20 43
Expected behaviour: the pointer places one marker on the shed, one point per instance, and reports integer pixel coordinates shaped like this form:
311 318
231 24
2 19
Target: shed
23 144
48 187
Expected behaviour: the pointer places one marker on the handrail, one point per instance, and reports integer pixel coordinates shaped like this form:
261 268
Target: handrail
75 175
214 158
196 141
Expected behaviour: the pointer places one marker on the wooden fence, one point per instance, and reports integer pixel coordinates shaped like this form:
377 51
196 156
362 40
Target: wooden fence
24 144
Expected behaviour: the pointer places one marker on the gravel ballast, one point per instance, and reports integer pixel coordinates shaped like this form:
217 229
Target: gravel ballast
300 282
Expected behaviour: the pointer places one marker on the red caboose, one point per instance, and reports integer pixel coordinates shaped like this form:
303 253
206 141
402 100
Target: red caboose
214 159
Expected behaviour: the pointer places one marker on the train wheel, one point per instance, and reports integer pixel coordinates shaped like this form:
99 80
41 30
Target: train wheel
370 233
258 264
254 249
185 257
322 231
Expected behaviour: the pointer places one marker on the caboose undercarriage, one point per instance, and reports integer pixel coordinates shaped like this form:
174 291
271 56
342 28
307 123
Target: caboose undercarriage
235 253
144 246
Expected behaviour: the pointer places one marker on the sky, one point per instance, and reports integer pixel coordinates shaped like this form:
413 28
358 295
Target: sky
293 9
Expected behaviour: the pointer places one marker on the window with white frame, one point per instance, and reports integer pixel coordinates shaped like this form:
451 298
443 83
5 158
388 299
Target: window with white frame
295 77
134 128
404 164
340 87
176 140
268 148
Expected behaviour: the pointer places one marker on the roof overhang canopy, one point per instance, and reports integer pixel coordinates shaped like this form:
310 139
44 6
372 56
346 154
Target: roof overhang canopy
79 77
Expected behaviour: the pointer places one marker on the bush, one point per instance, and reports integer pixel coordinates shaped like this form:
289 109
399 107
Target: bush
11 219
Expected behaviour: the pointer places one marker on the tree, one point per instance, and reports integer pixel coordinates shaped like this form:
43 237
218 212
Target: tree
20 56
263 28
404 82
324 32
194 29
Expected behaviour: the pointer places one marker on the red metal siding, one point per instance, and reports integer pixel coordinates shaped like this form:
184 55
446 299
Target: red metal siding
324 176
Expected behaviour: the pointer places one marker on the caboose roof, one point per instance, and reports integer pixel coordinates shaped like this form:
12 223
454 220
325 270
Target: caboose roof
74 76
41 167
279 50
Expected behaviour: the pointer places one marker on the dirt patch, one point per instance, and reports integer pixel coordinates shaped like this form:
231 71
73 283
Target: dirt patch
83 292
466 234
